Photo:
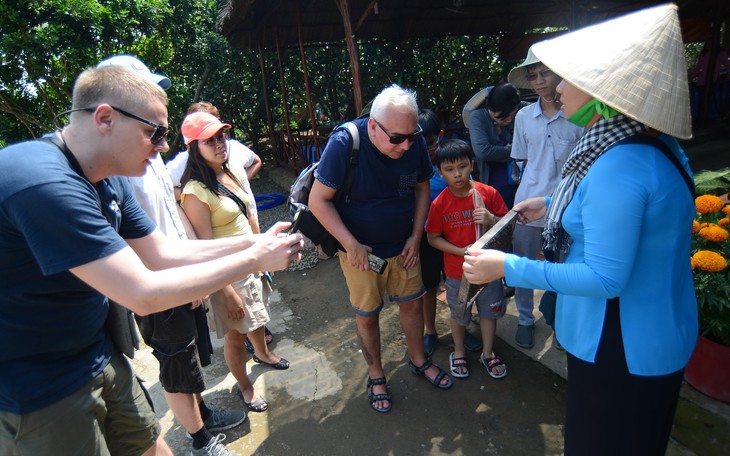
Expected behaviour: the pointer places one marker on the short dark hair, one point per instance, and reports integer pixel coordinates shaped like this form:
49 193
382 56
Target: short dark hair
503 99
429 122
452 150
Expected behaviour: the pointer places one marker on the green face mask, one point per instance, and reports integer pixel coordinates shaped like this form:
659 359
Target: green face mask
582 116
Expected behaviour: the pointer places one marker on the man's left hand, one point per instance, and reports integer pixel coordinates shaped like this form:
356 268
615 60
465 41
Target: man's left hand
410 252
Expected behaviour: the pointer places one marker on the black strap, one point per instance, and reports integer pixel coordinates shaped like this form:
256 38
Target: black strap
349 182
664 149
56 141
224 190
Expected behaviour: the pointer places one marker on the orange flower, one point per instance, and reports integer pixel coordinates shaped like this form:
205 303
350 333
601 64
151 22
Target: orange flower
723 222
695 226
726 210
714 233
707 204
709 261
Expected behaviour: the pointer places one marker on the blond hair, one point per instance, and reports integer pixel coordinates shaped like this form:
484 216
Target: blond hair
116 86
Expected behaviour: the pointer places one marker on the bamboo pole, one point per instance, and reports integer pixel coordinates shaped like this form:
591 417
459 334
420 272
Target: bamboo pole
344 8
312 117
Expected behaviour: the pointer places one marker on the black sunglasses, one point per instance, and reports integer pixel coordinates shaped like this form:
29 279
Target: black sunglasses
398 138
220 138
544 73
158 136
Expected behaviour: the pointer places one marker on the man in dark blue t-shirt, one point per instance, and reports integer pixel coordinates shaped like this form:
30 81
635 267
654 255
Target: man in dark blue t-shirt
384 217
71 234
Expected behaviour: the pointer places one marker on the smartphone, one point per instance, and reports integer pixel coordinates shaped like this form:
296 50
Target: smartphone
377 264
295 222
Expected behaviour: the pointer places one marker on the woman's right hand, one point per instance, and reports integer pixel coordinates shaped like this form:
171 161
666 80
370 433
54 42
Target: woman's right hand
531 209
234 303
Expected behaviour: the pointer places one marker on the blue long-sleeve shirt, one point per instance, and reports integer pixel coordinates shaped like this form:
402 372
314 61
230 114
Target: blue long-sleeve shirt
631 223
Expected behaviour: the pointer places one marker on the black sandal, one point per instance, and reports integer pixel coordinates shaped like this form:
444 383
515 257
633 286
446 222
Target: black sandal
421 372
259 405
373 398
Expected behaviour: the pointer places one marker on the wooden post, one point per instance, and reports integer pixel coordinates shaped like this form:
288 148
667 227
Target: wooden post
344 8
312 117
265 83
289 138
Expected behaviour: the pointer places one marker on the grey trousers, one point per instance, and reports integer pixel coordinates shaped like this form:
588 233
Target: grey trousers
526 242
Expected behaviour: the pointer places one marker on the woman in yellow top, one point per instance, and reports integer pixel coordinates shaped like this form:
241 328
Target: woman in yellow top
217 206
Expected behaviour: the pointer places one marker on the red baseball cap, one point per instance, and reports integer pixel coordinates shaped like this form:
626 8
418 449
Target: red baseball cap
201 125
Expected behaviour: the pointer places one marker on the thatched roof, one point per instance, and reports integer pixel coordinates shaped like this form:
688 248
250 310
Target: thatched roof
243 21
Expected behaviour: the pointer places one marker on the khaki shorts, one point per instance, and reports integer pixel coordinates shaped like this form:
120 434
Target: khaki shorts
110 415
367 287
255 296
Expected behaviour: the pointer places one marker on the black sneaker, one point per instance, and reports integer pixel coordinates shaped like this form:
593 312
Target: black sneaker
471 342
523 336
429 344
221 420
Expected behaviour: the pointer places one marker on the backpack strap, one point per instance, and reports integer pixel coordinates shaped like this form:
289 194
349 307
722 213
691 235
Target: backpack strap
351 128
664 149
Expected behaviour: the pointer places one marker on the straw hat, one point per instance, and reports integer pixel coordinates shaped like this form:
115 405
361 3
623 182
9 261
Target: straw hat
475 102
634 63
516 76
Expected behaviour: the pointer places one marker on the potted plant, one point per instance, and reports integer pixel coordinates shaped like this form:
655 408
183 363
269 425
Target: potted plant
709 366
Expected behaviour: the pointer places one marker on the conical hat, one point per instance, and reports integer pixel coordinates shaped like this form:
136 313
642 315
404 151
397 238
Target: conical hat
516 76
475 102
634 63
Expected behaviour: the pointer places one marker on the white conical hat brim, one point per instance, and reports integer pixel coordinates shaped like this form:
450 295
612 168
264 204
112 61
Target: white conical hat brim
516 76
475 102
634 64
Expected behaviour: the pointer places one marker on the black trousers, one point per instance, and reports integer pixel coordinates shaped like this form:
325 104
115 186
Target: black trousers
612 412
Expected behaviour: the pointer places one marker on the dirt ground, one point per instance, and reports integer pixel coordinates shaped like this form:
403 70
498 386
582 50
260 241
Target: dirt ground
319 406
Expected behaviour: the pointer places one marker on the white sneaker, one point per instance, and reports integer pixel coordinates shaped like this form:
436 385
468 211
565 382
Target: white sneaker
214 448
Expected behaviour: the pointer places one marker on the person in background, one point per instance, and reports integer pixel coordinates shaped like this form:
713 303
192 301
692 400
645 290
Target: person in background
384 217
451 229
491 128
179 337
432 260
620 223
543 138
239 157
217 207
78 395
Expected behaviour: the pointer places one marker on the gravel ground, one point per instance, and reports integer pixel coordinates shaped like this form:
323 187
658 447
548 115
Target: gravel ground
262 185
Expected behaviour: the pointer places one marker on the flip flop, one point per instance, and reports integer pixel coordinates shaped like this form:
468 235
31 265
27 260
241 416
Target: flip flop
259 405
455 366
491 365
268 337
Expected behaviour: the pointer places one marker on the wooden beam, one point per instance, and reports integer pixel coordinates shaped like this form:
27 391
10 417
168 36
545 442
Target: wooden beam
344 9
312 117
265 83
279 54
365 14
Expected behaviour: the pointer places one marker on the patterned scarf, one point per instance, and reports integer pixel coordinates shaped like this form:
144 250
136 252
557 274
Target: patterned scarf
592 145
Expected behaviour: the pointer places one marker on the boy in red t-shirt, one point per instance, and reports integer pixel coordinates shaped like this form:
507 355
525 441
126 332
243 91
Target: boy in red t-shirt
451 229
